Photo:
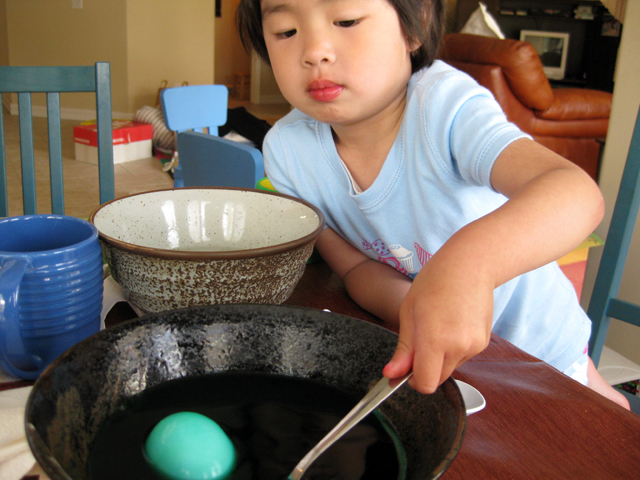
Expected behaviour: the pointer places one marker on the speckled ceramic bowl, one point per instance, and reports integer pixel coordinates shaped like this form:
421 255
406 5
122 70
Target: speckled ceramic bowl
202 246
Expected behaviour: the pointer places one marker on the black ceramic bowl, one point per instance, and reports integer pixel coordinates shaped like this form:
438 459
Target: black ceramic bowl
78 392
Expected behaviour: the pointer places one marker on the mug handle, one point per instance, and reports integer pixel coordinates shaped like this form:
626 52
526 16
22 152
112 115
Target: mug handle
11 345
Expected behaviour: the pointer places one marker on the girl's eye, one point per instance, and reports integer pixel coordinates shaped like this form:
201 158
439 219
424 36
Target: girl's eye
287 34
347 23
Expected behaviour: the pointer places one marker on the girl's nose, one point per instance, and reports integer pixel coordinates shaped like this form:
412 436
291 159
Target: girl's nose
318 50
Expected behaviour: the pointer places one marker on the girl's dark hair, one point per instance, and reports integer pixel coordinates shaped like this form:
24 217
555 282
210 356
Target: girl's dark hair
421 20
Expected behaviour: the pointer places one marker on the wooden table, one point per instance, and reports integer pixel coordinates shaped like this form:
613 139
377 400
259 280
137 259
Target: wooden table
538 423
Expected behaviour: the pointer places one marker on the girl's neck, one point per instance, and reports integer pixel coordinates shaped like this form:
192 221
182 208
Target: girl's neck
364 147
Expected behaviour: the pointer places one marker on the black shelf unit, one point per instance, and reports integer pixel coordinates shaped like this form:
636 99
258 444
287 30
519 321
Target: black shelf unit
591 58
548 8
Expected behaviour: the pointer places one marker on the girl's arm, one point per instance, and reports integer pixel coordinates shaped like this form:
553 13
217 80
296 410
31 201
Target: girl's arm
375 286
446 316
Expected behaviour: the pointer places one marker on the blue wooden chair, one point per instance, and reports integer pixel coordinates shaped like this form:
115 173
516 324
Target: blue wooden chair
52 80
194 107
604 303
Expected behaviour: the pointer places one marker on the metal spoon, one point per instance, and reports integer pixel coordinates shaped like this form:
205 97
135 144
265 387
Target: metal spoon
369 402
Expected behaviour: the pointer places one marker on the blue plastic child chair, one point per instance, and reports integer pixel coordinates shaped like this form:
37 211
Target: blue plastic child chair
212 161
193 107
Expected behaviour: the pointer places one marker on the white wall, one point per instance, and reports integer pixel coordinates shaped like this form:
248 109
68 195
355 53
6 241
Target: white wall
623 338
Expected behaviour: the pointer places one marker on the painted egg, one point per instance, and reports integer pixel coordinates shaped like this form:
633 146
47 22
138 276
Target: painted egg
187 446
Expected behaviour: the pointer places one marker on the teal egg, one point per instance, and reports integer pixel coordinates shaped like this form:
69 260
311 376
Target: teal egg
187 446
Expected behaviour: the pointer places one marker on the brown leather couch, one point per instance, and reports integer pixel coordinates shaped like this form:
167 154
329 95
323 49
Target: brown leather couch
570 121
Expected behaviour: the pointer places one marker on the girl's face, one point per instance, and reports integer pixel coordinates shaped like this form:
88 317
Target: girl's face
339 61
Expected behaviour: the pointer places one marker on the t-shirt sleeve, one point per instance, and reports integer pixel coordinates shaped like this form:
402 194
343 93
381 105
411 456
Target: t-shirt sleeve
472 129
479 133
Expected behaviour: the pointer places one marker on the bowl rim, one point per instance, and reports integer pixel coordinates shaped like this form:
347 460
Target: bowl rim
223 255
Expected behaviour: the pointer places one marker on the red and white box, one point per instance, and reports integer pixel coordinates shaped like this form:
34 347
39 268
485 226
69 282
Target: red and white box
131 141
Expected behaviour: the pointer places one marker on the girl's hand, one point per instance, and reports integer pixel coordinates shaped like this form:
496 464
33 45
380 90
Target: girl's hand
445 319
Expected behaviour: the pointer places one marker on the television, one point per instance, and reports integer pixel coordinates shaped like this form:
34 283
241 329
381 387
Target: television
552 47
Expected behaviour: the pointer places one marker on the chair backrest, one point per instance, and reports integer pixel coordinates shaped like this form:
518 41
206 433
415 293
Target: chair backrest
195 107
217 162
604 303
53 80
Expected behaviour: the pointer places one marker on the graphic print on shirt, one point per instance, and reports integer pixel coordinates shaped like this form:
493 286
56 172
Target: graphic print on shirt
398 257
423 255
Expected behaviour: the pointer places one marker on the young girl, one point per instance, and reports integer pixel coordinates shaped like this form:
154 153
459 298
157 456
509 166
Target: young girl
443 218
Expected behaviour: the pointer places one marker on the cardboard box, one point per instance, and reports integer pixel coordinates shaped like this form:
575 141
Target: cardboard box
131 141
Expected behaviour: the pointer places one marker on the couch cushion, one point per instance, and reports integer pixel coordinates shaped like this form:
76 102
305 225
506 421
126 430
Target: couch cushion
577 104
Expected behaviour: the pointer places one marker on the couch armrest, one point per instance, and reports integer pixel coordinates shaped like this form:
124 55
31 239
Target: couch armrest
519 61
490 77
577 104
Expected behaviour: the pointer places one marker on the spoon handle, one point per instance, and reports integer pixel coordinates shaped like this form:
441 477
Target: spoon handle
369 402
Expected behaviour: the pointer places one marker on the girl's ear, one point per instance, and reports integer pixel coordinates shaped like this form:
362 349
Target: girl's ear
413 44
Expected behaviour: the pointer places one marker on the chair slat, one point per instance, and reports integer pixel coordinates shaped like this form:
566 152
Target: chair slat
26 154
47 79
55 153
105 132
625 311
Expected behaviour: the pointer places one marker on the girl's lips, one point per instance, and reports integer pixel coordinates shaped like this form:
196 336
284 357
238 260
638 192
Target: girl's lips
324 90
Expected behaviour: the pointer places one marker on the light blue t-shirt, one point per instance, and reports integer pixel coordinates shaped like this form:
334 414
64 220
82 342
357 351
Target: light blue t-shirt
435 180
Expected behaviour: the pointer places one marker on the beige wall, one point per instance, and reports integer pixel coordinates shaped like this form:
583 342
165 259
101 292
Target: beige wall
4 47
50 32
231 56
146 41
168 40
270 91
623 338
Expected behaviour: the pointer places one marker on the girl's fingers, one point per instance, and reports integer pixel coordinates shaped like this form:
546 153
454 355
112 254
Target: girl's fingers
401 362
427 372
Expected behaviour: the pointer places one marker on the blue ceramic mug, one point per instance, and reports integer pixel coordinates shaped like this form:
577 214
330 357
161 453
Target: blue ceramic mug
50 289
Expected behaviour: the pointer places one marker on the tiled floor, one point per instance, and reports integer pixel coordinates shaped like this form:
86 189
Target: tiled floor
80 178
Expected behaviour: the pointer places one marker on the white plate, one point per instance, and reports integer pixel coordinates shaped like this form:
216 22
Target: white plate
473 399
